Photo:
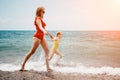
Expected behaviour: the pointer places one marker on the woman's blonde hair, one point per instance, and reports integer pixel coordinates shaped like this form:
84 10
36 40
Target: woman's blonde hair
38 11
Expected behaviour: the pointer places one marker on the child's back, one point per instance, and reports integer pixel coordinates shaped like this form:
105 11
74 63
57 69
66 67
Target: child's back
55 44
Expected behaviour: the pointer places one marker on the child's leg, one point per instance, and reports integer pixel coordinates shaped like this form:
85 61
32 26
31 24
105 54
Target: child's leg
51 55
59 54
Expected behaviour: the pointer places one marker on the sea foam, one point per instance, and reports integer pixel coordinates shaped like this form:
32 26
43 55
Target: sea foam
63 68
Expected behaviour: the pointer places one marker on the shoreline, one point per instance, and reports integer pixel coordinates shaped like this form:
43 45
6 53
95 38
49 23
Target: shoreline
36 75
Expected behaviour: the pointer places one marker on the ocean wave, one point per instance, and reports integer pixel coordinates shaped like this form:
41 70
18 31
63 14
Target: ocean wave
64 68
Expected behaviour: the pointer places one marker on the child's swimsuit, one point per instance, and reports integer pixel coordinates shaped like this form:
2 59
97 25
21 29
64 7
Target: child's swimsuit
55 45
39 33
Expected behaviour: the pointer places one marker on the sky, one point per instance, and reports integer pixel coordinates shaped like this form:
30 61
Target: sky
61 14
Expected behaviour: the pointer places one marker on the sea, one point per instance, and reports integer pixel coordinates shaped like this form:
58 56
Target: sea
94 52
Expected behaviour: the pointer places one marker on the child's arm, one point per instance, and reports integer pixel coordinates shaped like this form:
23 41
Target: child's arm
54 39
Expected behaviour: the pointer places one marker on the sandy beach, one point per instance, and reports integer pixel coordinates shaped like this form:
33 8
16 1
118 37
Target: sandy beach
35 75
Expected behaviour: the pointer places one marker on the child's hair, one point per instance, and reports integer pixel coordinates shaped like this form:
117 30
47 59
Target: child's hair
58 33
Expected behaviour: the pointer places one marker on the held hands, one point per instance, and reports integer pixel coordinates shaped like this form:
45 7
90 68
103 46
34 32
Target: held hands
47 33
50 35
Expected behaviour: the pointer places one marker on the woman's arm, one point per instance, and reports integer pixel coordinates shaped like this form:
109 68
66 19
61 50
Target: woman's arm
51 36
45 31
40 26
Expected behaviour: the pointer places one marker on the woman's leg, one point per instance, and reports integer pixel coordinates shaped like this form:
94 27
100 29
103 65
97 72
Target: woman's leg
35 45
60 56
46 50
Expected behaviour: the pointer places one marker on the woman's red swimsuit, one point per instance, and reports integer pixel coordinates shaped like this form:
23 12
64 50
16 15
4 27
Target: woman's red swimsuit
39 33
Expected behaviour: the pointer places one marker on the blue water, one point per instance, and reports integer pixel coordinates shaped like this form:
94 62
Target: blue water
86 48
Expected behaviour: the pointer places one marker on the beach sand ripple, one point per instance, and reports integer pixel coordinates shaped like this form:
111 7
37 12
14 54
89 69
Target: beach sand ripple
35 75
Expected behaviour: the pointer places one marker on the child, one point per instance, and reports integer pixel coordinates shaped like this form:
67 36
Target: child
54 49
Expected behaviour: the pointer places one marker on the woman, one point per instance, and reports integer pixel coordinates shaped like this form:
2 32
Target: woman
38 38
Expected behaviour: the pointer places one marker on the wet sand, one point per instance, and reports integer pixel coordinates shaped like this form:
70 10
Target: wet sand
35 75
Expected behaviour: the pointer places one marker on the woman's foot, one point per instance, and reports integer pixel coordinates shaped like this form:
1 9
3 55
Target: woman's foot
49 70
22 68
